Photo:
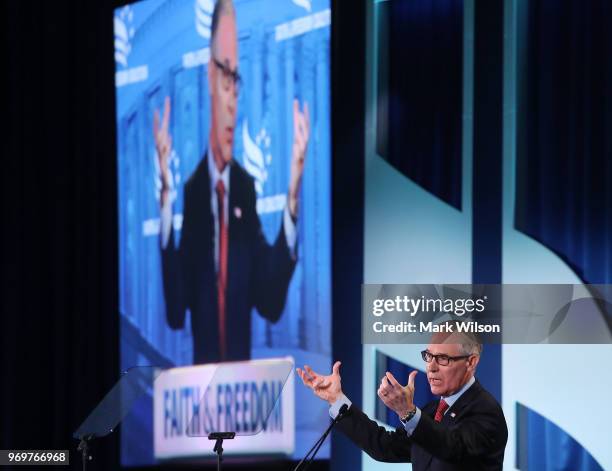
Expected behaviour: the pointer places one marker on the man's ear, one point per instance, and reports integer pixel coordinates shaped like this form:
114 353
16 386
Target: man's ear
473 362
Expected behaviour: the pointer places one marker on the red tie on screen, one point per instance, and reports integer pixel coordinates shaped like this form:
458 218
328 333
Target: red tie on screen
442 406
222 272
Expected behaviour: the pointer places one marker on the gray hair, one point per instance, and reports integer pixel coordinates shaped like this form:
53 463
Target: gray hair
470 341
471 345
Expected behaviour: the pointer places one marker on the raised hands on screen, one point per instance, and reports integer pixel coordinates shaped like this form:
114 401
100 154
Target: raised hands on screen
301 135
163 146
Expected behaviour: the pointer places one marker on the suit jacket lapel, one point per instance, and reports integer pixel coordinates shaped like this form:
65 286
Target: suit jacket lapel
197 258
452 412
233 201
430 411
209 278
430 408
455 410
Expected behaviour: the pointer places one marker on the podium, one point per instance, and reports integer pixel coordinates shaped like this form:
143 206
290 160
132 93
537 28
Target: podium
241 396
243 401
191 402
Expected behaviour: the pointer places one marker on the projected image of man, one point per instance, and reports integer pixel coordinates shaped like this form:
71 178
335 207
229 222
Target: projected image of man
223 266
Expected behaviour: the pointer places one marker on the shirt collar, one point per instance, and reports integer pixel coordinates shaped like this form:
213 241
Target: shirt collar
214 173
450 400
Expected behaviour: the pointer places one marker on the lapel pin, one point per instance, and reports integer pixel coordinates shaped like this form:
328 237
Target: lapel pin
237 212
453 415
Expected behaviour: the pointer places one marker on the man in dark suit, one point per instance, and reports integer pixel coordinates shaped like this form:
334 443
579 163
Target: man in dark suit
224 266
464 430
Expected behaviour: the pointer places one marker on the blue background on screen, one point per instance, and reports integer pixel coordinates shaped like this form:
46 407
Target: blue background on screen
161 50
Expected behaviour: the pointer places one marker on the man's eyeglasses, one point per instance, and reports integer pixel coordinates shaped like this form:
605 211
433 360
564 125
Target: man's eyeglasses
230 77
441 359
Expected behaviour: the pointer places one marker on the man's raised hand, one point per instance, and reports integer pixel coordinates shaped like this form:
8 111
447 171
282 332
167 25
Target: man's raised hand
395 396
327 387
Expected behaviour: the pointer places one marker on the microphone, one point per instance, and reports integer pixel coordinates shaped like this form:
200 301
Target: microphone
341 413
308 461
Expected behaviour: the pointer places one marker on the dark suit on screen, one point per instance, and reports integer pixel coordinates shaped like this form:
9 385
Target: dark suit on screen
471 436
258 273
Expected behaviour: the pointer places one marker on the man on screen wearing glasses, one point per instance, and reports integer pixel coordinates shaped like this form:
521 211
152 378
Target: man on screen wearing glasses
464 430
224 266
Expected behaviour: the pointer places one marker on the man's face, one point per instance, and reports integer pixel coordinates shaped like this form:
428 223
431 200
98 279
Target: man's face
447 380
222 91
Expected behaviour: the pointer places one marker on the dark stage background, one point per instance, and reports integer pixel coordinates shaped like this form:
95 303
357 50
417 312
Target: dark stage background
60 334
59 243
60 331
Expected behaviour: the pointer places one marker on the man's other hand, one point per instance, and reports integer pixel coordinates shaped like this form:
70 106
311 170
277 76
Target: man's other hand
395 396
327 387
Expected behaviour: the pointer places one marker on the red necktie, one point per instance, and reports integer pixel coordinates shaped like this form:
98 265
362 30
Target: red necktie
222 271
442 406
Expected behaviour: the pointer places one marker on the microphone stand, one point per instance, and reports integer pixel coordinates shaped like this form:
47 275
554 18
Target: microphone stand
84 449
320 441
218 449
